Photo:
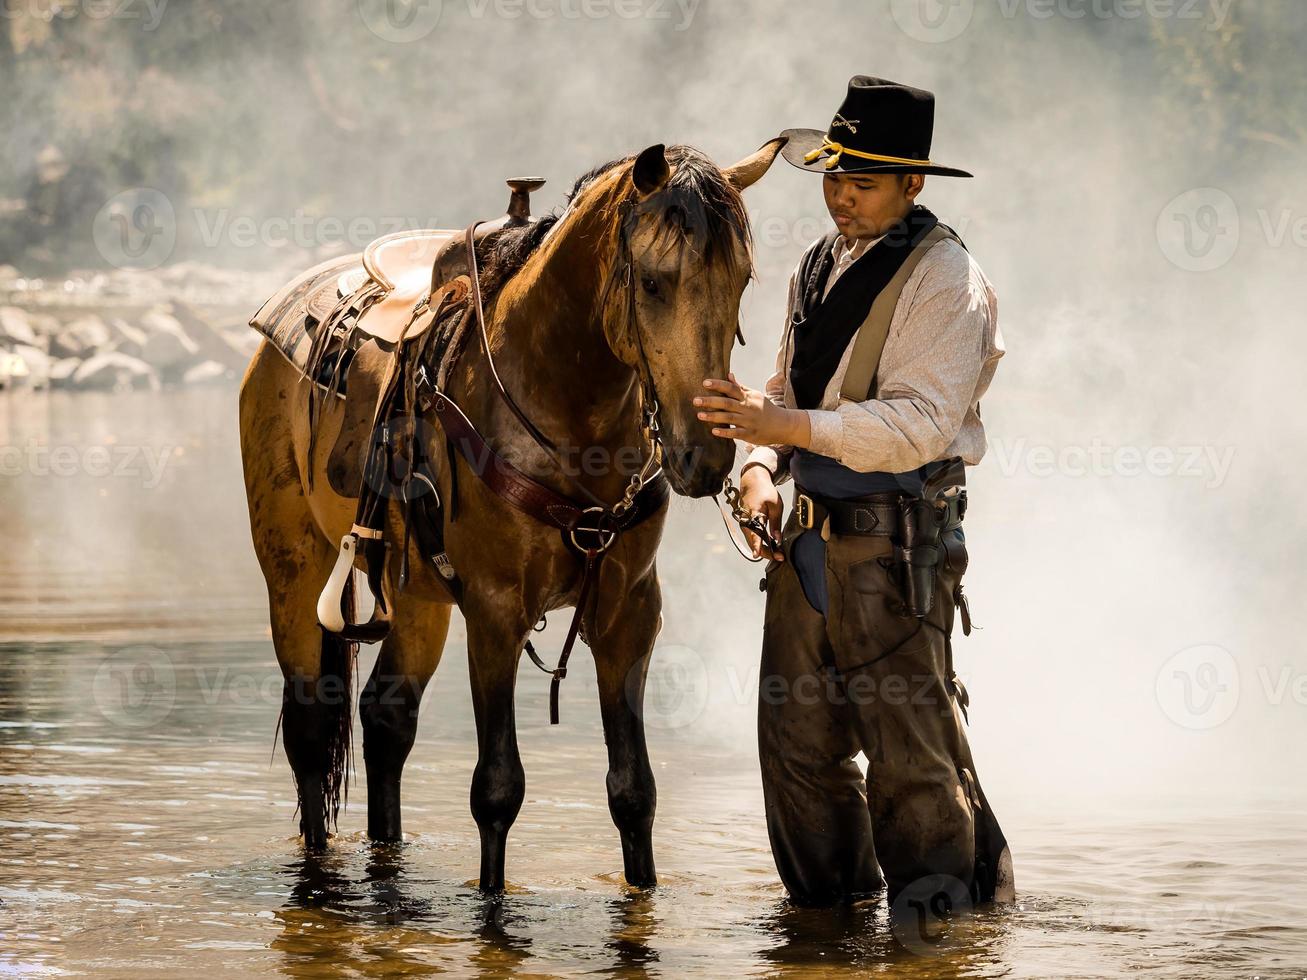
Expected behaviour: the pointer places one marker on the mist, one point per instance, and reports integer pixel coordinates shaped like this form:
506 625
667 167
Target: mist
1138 203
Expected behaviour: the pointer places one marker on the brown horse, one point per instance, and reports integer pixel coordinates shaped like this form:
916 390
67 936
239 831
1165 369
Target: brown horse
576 355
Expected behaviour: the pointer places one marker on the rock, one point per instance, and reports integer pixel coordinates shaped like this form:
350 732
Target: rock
206 372
168 348
114 371
37 363
16 326
167 353
213 343
90 332
46 326
80 338
127 338
13 370
62 370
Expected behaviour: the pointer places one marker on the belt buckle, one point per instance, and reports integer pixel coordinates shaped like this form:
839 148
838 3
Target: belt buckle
803 504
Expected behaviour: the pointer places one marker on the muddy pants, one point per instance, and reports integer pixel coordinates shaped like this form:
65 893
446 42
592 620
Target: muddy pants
868 677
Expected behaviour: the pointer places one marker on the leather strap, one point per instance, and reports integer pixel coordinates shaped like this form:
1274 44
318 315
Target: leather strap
548 506
877 515
474 274
526 494
863 519
592 559
869 341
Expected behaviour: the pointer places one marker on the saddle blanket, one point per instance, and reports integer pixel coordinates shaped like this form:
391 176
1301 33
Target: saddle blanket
289 319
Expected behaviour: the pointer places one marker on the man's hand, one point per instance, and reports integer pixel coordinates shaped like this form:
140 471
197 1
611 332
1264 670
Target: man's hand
758 495
738 412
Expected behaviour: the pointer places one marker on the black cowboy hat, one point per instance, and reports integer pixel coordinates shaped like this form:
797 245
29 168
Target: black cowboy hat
882 128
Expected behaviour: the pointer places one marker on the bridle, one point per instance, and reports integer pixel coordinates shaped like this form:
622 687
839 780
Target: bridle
608 521
649 406
589 527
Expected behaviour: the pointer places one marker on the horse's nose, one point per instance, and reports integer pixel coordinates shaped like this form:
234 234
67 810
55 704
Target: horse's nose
685 459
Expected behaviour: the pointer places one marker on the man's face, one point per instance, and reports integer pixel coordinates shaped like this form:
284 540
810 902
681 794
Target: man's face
868 205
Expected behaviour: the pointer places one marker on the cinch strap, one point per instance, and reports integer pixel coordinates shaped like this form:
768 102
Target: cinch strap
835 149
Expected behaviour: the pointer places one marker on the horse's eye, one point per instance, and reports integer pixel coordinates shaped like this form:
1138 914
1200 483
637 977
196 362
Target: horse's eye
649 284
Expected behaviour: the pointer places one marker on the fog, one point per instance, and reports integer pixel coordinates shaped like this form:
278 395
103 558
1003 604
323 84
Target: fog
1138 204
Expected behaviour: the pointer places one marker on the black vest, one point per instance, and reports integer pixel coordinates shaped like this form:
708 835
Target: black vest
823 328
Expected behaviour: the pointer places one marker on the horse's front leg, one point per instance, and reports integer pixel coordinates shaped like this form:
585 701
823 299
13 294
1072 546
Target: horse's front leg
495 637
621 655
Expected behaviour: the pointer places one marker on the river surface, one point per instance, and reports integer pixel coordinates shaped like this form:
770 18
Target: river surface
147 821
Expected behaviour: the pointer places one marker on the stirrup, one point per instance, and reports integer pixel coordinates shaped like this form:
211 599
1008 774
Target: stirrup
330 610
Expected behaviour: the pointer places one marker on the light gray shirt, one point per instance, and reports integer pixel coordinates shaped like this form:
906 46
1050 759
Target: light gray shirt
940 355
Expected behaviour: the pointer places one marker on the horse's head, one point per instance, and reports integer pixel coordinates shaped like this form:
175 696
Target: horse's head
672 302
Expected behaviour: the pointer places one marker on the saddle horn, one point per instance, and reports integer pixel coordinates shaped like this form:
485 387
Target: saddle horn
519 202
451 259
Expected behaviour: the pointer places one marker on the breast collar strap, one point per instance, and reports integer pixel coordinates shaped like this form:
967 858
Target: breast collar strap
588 529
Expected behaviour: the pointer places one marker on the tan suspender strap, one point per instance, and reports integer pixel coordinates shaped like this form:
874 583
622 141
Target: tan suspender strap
870 339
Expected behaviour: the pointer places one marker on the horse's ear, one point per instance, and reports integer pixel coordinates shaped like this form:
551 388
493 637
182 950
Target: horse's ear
651 171
748 170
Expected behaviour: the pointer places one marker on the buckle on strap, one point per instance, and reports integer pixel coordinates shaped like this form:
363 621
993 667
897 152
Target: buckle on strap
804 510
605 530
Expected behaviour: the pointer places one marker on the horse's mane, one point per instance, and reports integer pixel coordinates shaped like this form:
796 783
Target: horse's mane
695 190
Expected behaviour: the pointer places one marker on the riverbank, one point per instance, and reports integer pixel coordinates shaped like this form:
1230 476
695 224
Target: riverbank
129 329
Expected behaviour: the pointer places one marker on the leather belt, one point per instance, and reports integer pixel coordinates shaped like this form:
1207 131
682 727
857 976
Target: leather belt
876 515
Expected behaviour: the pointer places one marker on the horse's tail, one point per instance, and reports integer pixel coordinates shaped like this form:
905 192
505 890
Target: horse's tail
336 673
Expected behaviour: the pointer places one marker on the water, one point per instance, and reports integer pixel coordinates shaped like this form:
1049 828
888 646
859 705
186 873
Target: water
147 821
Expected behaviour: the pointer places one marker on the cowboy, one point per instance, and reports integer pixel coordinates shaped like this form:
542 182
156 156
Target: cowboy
889 343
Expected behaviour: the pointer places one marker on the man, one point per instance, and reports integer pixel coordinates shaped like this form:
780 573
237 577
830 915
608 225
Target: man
874 411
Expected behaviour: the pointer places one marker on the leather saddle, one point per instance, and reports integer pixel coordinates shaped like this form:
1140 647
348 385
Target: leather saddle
410 265
369 301
403 265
